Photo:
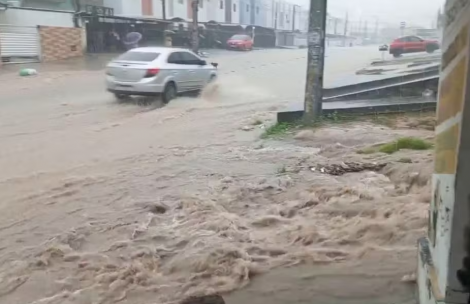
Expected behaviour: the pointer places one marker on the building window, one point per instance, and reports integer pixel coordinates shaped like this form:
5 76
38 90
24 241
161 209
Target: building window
247 7
257 10
201 3
234 7
221 6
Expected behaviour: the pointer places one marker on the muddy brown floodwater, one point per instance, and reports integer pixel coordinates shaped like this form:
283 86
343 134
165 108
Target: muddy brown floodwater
102 202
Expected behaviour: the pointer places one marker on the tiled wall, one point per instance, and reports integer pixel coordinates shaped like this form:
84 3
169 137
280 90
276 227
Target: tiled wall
60 43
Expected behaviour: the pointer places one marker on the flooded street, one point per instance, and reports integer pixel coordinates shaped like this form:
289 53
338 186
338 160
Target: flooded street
107 202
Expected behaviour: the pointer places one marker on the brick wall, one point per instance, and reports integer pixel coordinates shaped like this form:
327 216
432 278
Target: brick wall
60 42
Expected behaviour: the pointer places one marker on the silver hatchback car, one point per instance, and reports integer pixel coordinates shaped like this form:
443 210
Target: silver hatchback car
151 71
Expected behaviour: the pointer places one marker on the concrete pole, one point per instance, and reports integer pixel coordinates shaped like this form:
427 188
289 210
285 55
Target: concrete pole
164 9
315 60
444 255
293 18
195 32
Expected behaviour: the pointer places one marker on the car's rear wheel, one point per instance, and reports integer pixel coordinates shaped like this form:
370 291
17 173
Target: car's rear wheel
169 93
397 53
212 79
120 96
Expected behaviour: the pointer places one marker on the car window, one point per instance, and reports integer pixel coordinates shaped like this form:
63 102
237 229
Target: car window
414 39
175 58
138 56
239 37
189 58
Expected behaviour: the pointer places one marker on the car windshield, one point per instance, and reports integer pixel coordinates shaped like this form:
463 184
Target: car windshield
138 56
239 37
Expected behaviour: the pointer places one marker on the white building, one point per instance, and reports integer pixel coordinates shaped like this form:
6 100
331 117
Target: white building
209 10
279 14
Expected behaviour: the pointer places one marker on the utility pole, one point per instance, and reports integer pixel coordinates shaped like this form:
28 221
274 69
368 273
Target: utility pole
359 28
78 8
345 33
376 34
336 26
366 30
275 15
315 60
164 9
195 32
293 18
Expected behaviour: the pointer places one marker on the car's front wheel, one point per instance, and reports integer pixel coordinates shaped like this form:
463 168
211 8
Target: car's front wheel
169 93
431 48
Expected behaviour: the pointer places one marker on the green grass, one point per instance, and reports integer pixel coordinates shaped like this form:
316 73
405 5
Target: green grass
279 129
410 143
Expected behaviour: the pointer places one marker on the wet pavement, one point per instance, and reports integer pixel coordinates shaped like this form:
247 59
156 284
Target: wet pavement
106 202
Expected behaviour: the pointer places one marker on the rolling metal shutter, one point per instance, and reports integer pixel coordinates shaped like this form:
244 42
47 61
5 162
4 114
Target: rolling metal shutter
19 43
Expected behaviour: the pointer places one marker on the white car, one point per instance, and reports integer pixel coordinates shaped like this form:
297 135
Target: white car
152 71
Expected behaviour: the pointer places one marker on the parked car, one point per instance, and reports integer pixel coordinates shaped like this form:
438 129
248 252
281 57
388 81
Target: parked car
412 44
240 42
153 71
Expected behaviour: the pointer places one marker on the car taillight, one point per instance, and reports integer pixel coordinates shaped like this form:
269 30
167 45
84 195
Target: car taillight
152 72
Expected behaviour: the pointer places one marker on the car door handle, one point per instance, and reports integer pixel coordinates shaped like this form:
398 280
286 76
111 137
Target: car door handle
191 71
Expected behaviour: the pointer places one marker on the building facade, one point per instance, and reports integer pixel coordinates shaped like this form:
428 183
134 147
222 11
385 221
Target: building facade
277 14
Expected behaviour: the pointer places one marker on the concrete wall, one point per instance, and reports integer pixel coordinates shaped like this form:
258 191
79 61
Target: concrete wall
235 12
215 11
27 17
245 12
179 9
131 8
158 10
269 6
203 10
60 43
260 12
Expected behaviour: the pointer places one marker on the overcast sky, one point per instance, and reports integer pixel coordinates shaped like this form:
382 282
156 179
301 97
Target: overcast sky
418 12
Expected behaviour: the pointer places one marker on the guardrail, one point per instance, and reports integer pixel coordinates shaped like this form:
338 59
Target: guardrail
332 94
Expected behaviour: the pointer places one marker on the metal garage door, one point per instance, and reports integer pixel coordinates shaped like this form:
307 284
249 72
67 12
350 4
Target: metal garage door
19 43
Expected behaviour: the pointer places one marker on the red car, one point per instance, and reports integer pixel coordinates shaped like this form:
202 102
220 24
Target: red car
412 44
240 42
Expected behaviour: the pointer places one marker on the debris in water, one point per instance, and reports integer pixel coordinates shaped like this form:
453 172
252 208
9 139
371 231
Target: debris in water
409 278
28 72
348 167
